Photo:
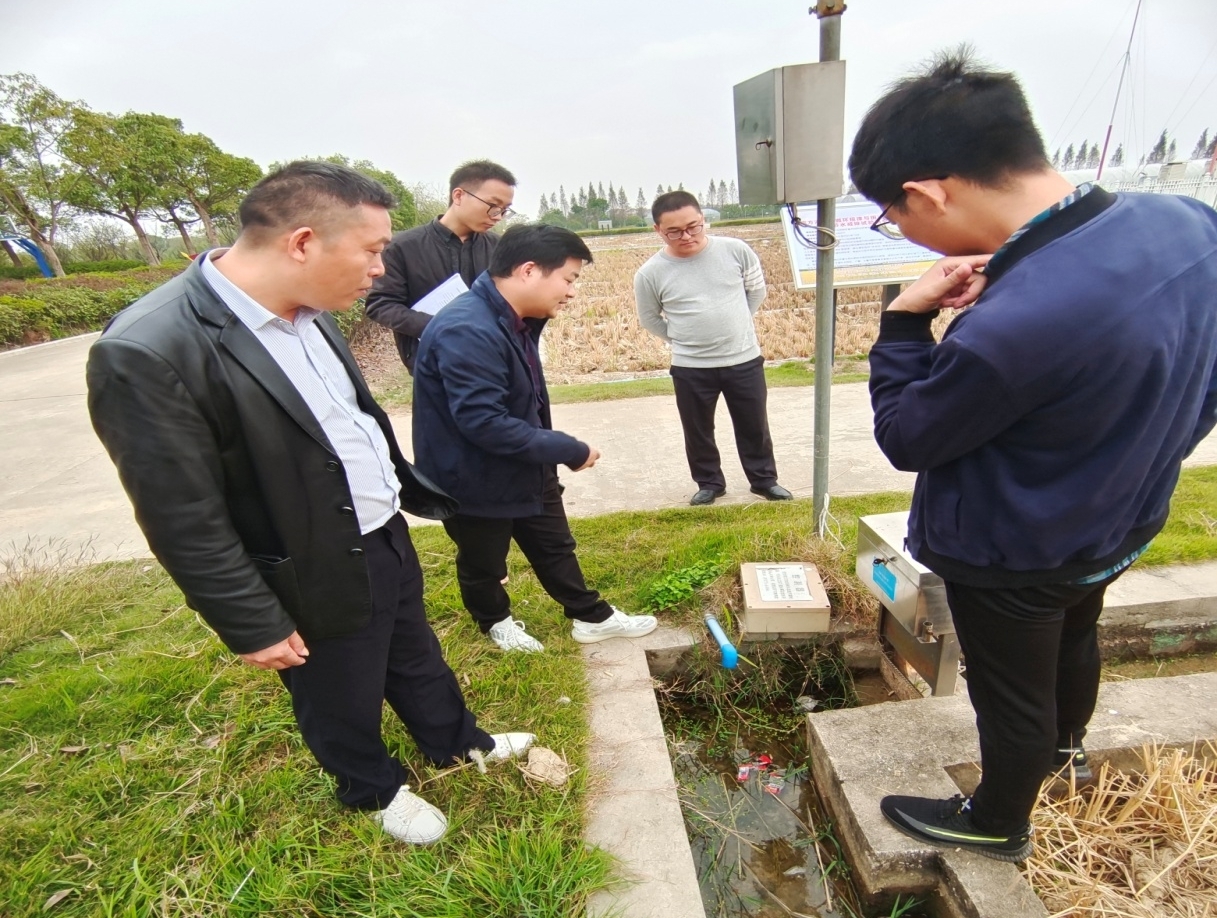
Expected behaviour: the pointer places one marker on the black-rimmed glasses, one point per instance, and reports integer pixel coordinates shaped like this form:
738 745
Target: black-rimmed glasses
691 231
492 210
885 227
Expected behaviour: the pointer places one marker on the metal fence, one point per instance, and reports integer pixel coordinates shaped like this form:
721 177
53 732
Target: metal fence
1203 188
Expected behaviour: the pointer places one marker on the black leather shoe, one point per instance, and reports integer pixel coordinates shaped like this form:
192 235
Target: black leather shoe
773 492
706 496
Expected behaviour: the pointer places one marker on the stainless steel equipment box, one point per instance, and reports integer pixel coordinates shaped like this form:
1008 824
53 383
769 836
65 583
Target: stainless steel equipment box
916 620
790 134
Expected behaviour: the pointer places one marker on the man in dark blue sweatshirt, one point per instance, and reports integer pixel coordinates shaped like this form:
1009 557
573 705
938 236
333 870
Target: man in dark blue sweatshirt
482 427
1047 427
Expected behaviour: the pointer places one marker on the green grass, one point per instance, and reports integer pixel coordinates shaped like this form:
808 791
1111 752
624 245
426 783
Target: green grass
146 771
1190 534
395 392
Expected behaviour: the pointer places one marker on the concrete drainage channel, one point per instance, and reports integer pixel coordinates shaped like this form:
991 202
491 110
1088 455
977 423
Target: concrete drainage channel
923 746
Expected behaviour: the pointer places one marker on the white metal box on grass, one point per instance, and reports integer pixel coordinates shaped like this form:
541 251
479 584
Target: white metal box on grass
783 601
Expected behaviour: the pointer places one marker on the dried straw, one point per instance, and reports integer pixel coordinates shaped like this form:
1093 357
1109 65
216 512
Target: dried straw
1136 845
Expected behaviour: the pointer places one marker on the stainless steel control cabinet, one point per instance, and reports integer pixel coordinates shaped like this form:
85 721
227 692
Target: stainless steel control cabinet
790 134
915 620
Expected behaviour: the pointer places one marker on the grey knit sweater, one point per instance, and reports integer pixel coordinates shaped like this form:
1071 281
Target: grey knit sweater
703 305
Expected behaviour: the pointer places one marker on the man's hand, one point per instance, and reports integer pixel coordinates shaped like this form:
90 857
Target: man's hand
285 654
952 283
592 455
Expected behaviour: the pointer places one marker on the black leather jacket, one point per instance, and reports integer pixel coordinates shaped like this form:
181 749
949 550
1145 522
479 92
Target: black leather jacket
234 483
416 262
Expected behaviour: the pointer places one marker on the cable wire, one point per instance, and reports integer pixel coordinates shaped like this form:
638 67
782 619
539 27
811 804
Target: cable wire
801 226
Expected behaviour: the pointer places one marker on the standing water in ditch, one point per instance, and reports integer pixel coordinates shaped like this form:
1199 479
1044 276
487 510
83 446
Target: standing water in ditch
738 743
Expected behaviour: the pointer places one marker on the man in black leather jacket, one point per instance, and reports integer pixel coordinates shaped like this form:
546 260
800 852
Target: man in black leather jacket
458 242
269 483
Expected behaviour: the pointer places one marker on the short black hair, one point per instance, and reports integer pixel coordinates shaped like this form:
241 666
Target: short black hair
475 173
954 118
672 200
547 246
304 193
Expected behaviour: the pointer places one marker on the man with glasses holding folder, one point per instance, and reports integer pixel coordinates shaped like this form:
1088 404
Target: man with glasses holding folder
456 244
699 294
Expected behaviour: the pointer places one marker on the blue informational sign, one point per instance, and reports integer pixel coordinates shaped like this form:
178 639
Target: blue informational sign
862 257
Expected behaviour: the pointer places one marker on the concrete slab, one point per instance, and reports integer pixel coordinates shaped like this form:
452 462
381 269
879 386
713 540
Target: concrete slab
915 747
633 811
1161 611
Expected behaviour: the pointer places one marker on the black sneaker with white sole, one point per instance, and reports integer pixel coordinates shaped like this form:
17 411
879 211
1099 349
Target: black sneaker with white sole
1073 757
949 823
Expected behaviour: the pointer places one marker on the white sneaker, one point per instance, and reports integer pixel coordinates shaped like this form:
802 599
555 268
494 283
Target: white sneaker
412 819
620 625
506 746
509 746
509 634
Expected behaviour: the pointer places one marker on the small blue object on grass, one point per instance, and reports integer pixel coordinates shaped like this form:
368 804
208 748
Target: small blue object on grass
730 656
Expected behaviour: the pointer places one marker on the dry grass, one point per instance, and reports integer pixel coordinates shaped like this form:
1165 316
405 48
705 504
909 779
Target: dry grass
599 333
1140 846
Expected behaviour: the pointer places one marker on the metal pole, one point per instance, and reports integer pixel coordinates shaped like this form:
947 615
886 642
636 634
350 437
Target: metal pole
1119 86
890 292
829 12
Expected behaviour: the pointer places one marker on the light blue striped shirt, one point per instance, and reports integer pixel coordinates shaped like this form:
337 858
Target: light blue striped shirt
319 375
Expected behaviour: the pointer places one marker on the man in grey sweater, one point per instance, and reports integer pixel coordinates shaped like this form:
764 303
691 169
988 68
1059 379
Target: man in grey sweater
699 294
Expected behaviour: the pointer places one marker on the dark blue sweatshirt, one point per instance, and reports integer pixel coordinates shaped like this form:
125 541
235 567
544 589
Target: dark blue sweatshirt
482 427
1049 425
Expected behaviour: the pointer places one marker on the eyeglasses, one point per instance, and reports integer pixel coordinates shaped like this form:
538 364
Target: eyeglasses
885 227
492 210
691 231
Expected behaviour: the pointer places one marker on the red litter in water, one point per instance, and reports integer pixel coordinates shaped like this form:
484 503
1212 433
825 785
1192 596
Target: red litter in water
775 783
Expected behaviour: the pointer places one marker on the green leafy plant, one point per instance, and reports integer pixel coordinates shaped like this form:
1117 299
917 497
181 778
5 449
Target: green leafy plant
680 585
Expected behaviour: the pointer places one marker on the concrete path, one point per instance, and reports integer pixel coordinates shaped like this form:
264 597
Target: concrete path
58 487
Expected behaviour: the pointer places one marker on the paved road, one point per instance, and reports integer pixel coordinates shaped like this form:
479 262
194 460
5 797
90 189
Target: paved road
57 486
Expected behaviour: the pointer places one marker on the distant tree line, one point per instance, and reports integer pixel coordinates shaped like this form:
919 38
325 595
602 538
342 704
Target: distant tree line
1164 151
584 208
61 161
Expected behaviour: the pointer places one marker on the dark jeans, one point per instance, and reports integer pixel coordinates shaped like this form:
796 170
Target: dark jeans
338 694
743 388
481 561
1033 678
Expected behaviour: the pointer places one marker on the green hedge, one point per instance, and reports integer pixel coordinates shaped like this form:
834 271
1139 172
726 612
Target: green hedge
50 308
57 312
26 272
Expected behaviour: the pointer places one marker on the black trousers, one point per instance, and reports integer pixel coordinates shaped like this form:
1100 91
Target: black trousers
546 540
743 388
338 694
1033 678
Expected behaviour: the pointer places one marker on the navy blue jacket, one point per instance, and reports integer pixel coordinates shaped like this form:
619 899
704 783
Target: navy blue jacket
482 427
1049 426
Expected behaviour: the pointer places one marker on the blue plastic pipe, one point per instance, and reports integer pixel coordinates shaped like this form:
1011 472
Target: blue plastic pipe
730 656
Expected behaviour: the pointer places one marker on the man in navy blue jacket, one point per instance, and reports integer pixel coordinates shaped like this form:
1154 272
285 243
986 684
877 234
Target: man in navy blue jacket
1047 427
482 429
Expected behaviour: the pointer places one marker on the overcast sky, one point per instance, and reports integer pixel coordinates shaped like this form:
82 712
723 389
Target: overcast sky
634 92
